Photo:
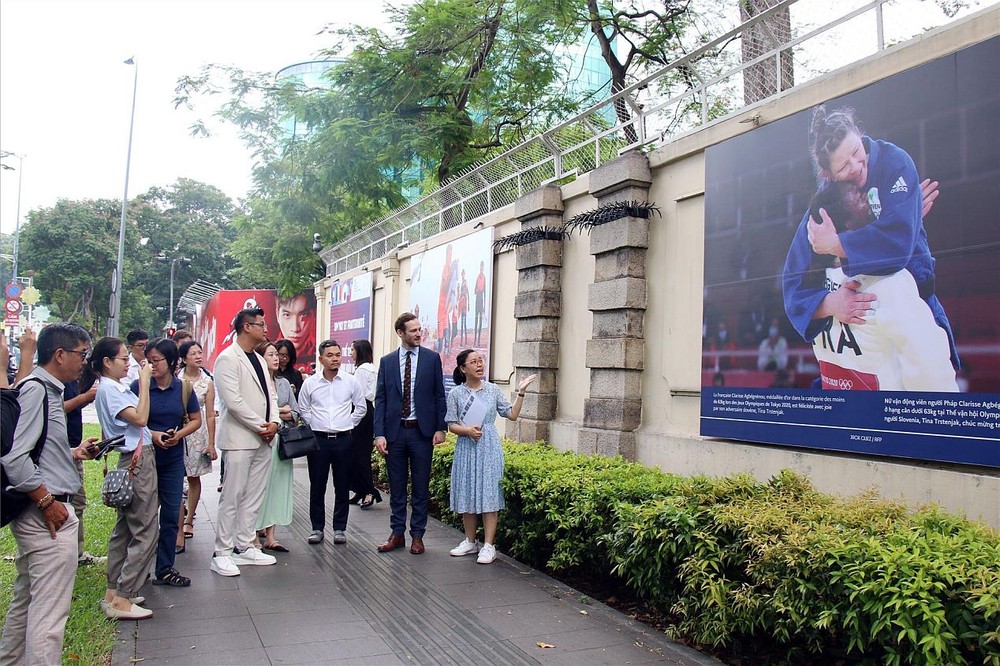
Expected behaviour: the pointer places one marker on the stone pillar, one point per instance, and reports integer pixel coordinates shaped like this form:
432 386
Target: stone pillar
617 298
537 308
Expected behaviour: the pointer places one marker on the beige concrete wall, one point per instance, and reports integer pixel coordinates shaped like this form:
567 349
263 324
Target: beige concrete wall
668 437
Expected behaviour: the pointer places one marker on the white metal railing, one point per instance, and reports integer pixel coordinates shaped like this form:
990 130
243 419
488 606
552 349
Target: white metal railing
704 86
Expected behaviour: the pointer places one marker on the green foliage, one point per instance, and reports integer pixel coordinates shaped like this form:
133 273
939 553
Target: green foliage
735 561
90 636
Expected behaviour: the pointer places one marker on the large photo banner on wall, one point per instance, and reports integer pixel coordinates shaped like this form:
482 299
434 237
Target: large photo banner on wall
292 318
451 292
849 304
351 314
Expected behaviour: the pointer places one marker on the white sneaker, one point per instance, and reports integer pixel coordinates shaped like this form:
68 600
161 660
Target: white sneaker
224 566
253 556
465 548
487 554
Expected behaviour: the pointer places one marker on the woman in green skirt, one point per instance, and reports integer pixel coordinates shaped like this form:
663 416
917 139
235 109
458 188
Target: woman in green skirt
277 506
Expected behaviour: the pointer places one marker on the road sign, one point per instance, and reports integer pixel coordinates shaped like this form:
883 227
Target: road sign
13 306
13 290
12 319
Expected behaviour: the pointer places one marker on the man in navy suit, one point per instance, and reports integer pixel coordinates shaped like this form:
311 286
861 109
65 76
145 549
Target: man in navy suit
409 422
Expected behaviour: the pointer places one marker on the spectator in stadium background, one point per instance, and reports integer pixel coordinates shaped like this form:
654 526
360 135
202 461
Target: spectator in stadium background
463 307
287 357
168 430
717 343
132 545
480 294
136 340
199 447
297 323
772 354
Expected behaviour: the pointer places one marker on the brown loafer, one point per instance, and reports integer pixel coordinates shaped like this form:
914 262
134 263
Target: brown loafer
417 546
395 541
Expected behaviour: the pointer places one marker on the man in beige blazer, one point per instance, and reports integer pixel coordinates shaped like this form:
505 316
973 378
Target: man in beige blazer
248 422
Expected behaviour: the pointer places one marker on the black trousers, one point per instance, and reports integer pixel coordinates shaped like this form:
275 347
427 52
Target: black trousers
335 454
363 436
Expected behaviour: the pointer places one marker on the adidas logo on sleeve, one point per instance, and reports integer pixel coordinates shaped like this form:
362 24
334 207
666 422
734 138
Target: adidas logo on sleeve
899 186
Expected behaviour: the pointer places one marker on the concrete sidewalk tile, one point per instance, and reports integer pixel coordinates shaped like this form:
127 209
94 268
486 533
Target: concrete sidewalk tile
220 642
196 658
281 629
181 628
492 593
534 618
362 650
265 604
161 596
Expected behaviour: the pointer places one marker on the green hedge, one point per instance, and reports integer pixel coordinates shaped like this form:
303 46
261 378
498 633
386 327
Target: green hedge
735 561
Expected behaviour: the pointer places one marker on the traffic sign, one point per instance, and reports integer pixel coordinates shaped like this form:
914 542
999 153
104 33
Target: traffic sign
12 319
13 306
13 290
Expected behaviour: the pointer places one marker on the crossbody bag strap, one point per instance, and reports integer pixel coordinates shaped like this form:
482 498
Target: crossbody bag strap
136 456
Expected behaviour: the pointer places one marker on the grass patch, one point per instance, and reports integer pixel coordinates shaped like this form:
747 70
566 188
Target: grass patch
90 637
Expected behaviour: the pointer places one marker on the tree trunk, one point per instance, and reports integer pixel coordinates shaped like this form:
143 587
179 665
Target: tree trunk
767 77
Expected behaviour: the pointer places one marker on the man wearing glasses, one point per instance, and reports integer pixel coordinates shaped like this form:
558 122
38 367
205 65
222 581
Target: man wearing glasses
247 424
136 341
46 530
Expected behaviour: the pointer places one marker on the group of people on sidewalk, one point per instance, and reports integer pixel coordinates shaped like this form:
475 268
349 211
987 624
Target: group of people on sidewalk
162 402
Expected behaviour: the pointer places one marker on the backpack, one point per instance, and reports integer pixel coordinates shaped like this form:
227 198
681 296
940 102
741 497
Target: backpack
12 502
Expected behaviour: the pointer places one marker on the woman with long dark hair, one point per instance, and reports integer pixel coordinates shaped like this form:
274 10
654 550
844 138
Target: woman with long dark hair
170 421
199 447
477 467
286 364
363 436
276 509
132 545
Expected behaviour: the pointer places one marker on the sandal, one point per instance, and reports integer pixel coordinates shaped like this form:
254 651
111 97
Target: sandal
173 579
276 547
188 533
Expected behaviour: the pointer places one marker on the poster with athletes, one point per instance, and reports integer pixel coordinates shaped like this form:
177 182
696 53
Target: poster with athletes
292 318
846 307
351 314
451 292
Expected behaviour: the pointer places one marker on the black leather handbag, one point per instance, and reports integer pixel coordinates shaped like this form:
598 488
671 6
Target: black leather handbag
296 441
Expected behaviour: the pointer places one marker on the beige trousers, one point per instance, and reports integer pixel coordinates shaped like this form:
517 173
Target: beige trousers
247 472
132 546
43 590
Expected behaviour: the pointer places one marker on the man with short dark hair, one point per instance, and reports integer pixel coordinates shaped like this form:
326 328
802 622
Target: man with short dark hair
136 340
46 530
333 404
409 421
248 421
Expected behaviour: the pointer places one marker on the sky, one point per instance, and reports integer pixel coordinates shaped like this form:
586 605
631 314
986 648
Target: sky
66 94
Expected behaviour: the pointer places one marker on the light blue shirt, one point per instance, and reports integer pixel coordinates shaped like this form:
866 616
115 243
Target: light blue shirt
413 377
112 399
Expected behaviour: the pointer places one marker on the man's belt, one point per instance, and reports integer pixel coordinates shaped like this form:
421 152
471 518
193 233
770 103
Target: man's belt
408 423
332 435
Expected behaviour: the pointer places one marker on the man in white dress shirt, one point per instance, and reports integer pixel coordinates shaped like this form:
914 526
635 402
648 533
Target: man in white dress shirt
332 403
136 341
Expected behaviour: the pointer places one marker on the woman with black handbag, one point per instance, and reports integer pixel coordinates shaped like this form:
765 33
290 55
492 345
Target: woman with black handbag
132 545
277 506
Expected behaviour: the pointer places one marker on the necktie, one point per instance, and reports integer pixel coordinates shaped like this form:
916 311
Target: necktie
406 385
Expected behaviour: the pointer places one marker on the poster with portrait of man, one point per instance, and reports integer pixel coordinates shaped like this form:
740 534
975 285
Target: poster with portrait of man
851 304
451 292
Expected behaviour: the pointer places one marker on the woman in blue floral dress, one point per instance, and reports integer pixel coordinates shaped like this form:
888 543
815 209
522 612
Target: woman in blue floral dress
477 467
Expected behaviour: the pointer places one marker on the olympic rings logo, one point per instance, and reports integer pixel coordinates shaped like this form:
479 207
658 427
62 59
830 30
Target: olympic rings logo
845 384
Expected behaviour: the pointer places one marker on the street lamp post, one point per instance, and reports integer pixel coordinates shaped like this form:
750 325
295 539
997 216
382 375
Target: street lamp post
114 306
173 262
17 220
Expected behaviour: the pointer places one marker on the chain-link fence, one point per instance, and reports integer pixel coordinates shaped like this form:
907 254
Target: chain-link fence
780 44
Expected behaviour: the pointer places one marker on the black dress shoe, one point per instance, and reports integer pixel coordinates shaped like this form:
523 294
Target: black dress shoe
366 502
355 499
179 549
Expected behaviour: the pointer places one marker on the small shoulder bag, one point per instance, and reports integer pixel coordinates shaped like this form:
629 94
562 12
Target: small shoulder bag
116 491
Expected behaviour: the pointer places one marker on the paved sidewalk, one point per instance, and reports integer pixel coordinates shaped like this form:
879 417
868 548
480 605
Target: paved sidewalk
331 604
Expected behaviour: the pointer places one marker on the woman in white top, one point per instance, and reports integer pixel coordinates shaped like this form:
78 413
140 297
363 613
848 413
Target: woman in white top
132 546
365 492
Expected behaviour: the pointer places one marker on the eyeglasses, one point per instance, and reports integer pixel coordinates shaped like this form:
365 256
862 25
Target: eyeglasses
262 325
154 361
138 345
121 358
84 354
